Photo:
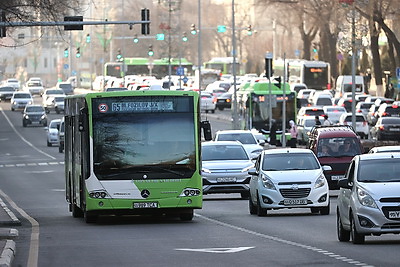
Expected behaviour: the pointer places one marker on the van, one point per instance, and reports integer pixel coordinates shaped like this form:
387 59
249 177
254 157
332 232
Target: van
335 146
344 85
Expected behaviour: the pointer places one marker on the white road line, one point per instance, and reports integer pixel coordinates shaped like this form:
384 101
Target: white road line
292 243
23 139
34 244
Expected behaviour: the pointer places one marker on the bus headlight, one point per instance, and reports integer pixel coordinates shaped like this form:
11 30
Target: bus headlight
190 192
98 194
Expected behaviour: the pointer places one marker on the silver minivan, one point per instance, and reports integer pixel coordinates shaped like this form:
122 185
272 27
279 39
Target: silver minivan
369 198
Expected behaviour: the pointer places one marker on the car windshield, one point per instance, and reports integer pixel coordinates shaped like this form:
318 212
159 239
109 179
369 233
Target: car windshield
338 147
6 89
290 161
54 92
34 109
59 99
244 138
22 96
223 152
379 170
54 124
33 84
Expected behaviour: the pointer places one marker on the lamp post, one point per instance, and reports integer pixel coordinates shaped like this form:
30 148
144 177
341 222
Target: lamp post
235 112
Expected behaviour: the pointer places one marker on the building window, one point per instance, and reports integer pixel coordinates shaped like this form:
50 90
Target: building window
45 62
25 62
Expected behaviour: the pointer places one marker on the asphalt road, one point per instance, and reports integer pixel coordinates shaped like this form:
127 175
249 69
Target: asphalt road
223 233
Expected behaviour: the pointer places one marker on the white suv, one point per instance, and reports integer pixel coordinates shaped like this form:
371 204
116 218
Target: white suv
368 201
246 137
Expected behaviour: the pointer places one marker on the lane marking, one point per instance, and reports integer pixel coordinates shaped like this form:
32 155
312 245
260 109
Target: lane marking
287 242
32 164
34 242
216 250
23 139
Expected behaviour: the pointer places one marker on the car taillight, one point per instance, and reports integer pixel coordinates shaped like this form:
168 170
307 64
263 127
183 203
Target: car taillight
381 128
359 110
384 114
228 100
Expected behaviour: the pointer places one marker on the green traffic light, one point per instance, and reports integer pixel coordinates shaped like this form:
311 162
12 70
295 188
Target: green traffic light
184 38
150 53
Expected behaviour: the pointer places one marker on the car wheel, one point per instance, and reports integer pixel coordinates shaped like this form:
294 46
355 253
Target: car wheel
342 234
260 210
12 109
57 111
252 207
48 143
244 195
356 237
213 111
221 108
325 210
60 149
206 111
24 124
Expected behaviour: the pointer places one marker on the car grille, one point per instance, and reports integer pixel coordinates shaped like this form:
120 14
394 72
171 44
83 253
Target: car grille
386 212
295 193
35 117
391 226
390 199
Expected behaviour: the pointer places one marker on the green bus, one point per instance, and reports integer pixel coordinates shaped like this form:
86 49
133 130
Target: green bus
223 64
133 152
147 66
253 104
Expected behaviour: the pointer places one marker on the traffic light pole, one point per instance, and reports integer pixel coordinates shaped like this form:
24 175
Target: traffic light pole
69 23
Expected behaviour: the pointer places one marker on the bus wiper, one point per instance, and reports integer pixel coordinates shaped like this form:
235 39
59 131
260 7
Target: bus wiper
182 174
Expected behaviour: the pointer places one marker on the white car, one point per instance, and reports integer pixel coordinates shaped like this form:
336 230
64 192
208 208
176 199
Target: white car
13 83
382 149
52 132
20 100
334 113
288 178
368 200
34 87
246 137
361 123
207 102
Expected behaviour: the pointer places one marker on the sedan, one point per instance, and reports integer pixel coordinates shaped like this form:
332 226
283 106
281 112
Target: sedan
207 102
52 132
6 92
368 201
288 178
224 101
19 100
225 166
386 128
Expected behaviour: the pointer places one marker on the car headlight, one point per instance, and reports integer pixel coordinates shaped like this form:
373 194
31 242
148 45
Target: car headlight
320 182
267 183
205 170
365 199
43 117
30 103
26 117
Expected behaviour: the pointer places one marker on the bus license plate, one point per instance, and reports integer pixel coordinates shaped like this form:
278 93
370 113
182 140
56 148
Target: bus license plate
394 214
145 205
295 201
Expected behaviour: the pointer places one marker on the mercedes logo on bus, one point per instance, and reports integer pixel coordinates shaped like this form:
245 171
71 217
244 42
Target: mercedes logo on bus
145 193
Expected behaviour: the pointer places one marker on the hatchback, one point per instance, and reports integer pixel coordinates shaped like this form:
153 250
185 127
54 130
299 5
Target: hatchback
250 143
347 103
225 166
224 101
52 132
363 108
334 113
207 102
288 178
34 87
6 92
361 127
368 201
19 100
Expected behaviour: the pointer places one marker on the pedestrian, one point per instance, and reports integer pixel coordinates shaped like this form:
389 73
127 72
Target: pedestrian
317 121
293 133
327 122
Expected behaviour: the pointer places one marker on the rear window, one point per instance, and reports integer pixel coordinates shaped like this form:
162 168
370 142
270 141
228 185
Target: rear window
244 138
348 87
366 105
388 120
392 111
358 119
313 112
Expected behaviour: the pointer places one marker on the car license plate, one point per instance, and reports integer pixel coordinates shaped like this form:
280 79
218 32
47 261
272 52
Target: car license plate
145 205
226 180
295 202
394 214
394 129
337 177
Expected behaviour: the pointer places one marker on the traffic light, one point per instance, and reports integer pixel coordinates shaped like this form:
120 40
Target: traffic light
135 39
2 19
78 52
119 55
249 30
66 52
221 28
193 29
184 37
151 52
145 17
88 38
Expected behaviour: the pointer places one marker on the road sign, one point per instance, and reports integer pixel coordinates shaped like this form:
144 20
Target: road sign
398 72
180 71
66 66
185 79
160 37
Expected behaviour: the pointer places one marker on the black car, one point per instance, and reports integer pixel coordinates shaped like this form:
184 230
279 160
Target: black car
386 128
34 114
224 101
6 92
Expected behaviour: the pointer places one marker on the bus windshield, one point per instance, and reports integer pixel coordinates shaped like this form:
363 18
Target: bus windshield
144 143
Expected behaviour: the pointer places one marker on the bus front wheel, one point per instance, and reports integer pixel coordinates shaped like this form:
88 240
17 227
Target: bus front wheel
89 217
76 211
187 216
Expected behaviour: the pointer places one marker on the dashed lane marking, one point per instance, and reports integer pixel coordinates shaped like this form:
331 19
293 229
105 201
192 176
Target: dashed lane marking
54 163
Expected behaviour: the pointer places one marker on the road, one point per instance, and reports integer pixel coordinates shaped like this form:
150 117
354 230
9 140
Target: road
223 233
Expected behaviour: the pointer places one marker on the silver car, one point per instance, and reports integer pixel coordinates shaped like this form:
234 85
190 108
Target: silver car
224 168
288 178
369 197
20 100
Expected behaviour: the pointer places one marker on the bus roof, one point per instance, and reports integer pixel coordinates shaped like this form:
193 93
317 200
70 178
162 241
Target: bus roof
162 61
263 88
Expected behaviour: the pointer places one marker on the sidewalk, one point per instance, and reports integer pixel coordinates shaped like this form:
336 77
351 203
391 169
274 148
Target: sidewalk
7 235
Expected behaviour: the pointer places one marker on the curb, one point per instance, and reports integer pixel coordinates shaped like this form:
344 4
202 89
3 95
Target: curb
14 220
8 254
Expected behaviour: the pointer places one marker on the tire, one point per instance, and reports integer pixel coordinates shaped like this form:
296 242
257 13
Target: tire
213 111
89 217
60 149
12 109
356 237
261 212
206 111
187 216
24 124
221 108
325 210
57 111
342 234
245 195
48 143
76 211
314 210
252 207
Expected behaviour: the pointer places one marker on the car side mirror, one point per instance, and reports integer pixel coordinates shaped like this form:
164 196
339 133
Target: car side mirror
206 126
344 183
253 171
326 168
261 142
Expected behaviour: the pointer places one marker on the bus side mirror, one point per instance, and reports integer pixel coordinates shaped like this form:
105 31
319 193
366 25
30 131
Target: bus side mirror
206 130
81 118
